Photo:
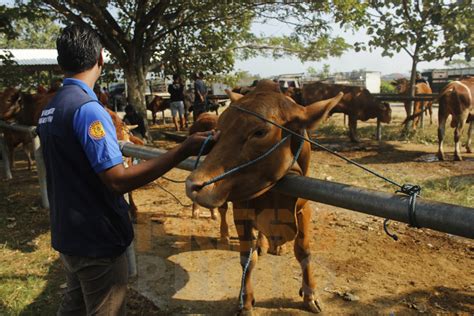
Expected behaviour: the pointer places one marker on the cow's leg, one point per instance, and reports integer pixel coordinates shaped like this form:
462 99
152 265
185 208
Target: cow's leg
303 255
213 213
469 137
353 128
28 149
430 109
457 136
248 256
11 151
224 227
441 130
416 109
195 212
262 244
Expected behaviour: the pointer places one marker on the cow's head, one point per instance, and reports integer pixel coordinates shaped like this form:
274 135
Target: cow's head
385 113
245 137
10 103
401 85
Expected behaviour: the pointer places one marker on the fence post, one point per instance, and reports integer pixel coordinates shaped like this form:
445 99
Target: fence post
5 158
41 171
130 251
378 134
422 124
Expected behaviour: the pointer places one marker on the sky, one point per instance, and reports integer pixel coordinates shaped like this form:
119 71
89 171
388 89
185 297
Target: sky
351 60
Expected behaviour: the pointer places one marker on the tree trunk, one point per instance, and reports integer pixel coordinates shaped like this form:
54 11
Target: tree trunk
136 87
409 123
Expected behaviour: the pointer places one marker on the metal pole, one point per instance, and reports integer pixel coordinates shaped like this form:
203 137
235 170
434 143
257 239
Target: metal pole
41 171
378 134
422 123
5 158
443 217
130 254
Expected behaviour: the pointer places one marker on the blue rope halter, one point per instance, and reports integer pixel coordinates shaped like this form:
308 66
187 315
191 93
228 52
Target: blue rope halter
248 163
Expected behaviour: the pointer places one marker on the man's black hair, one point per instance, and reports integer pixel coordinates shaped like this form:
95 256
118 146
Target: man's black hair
78 48
175 77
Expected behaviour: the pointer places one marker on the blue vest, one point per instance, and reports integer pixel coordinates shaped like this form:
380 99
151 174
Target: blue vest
87 219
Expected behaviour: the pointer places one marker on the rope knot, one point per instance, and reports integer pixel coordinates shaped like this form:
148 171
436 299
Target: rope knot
412 190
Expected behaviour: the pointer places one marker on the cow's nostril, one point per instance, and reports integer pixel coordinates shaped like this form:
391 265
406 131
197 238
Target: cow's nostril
196 186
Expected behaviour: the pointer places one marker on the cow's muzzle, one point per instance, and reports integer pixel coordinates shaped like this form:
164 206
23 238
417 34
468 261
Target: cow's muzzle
203 195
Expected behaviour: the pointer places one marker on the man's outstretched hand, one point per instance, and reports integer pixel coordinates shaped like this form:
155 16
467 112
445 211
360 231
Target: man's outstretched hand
192 145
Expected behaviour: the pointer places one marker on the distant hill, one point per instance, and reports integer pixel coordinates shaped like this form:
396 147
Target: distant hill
393 76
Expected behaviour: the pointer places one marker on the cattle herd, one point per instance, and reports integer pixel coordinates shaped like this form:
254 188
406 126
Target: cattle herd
265 220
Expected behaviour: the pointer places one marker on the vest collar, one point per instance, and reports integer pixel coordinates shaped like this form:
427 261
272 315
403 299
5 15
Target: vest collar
82 85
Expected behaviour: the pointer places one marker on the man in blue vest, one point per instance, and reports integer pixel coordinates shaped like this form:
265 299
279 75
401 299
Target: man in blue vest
86 180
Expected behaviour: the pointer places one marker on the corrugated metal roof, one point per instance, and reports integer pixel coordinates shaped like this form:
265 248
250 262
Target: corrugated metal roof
31 57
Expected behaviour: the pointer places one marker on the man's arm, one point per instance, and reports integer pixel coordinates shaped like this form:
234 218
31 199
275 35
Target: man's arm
121 180
96 133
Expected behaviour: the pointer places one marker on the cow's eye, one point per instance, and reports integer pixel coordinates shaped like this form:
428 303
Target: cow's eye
260 133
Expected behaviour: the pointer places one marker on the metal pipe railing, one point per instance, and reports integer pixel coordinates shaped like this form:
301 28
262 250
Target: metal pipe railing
31 132
443 217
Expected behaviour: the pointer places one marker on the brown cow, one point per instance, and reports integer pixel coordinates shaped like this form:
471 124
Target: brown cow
156 105
457 100
9 106
357 103
25 111
279 217
403 87
208 122
123 133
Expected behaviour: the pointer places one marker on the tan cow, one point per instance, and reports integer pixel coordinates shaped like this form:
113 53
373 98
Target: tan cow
457 100
124 133
403 87
279 217
26 110
208 122
358 103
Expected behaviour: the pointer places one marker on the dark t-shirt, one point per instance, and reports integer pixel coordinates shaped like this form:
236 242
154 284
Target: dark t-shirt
199 86
176 92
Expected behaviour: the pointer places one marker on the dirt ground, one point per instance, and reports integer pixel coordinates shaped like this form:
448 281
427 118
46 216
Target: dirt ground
184 269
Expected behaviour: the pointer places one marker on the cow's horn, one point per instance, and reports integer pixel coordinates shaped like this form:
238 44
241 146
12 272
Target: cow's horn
234 96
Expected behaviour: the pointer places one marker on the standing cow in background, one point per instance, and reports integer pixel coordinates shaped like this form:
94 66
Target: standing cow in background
156 105
357 103
403 87
25 110
244 138
457 100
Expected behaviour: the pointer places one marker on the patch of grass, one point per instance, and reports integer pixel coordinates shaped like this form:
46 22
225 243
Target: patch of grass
454 190
390 132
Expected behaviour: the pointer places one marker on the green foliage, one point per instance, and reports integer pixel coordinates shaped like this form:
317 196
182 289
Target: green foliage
427 31
239 78
40 33
387 87
323 73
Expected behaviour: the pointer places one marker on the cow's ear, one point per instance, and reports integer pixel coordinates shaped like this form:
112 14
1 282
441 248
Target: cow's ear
234 96
317 112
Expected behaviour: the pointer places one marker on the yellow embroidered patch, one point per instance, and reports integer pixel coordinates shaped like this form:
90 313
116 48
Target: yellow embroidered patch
96 130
